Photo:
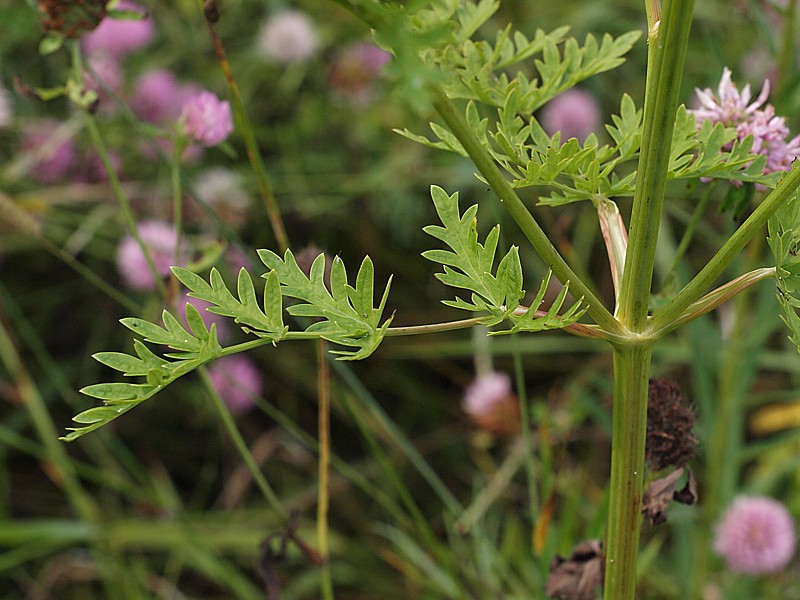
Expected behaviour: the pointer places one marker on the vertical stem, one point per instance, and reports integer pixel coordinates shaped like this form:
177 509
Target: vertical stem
241 446
525 421
631 372
667 41
323 498
245 129
113 180
530 228
786 55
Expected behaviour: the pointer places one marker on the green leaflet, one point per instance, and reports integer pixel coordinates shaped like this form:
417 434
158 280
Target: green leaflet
266 323
347 312
784 241
469 265
349 319
195 349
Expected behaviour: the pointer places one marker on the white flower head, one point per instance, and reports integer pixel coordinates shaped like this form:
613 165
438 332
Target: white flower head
288 37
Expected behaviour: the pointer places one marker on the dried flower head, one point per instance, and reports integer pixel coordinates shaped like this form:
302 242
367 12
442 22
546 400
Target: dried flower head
207 119
575 113
160 239
578 577
733 108
288 37
670 439
71 18
491 404
756 535
237 380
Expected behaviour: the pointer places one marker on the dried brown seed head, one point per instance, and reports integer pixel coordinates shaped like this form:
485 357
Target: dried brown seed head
71 18
670 439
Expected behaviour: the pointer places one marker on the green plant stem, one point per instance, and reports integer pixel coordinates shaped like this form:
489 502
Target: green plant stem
718 297
241 446
525 423
395 434
688 234
323 498
179 145
60 465
62 468
245 129
788 49
667 41
753 225
116 187
488 169
631 372
666 54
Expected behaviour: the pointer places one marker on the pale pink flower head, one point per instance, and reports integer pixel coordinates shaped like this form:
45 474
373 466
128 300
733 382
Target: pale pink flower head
733 108
756 536
575 113
52 152
119 37
728 106
237 380
158 97
207 119
161 241
287 37
491 404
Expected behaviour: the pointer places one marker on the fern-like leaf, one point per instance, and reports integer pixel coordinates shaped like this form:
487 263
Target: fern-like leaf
784 241
347 314
193 349
469 265
266 323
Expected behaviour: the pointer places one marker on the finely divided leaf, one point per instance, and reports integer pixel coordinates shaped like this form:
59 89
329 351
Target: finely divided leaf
784 241
469 265
118 398
347 314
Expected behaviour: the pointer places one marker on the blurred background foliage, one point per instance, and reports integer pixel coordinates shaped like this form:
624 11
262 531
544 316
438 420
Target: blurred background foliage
172 512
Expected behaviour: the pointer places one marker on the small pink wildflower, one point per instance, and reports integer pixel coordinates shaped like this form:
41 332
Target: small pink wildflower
237 380
160 239
756 536
491 404
119 37
733 108
575 113
158 97
53 153
288 37
207 119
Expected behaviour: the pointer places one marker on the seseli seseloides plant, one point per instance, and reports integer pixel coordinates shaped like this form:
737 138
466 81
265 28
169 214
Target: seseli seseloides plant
485 94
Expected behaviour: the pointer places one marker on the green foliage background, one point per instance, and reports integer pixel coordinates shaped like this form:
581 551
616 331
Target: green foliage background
421 505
